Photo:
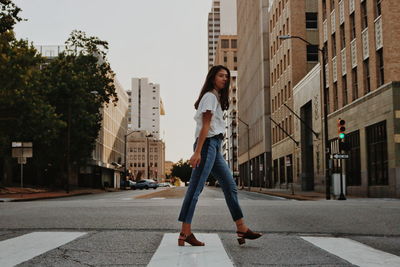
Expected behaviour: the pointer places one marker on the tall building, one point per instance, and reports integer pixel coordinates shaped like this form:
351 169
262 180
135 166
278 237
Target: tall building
105 166
360 38
221 21
145 106
145 156
291 59
254 155
226 55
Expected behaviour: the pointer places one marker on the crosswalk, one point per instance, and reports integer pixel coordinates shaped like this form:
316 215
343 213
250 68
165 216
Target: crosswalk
23 248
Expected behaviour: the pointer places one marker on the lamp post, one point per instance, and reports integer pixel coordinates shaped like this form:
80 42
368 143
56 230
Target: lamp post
148 153
325 107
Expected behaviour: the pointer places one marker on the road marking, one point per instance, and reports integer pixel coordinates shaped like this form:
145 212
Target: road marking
219 198
126 198
355 252
157 198
170 254
22 248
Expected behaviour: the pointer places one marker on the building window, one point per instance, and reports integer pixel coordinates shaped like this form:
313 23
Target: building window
364 16
380 68
288 57
311 20
335 97
155 164
323 10
289 89
312 52
367 83
353 164
354 83
333 45
235 59
378 10
377 154
332 5
342 37
134 164
352 27
225 43
233 43
130 150
131 164
344 87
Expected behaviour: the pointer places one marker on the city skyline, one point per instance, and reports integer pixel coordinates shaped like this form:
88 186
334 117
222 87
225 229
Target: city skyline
178 64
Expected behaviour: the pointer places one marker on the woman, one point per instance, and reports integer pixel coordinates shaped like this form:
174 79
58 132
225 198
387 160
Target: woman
210 126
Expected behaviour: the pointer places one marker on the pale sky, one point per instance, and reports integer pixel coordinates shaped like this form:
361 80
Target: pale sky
163 40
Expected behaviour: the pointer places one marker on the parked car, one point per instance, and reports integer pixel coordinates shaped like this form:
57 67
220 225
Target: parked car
165 184
131 184
145 184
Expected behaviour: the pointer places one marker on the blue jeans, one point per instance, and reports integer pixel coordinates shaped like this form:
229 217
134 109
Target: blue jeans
211 162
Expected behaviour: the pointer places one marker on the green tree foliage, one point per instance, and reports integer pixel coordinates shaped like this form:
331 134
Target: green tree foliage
182 169
79 83
25 114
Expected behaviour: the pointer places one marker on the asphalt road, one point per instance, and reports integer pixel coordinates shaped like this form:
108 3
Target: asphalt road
121 229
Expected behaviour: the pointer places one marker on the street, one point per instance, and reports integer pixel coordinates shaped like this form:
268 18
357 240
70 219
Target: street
126 229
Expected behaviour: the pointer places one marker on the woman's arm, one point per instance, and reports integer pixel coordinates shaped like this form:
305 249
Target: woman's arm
196 158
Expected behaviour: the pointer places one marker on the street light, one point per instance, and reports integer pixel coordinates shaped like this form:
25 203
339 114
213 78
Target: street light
148 152
327 148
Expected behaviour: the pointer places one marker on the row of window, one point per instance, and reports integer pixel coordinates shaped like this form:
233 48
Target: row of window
377 8
142 157
280 68
355 85
277 42
141 164
225 43
142 149
282 96
377 156
278 134
278 12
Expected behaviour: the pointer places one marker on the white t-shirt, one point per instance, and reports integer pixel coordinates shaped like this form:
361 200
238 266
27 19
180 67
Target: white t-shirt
210 102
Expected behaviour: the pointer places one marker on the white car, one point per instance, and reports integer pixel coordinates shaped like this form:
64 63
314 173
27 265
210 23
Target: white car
165 185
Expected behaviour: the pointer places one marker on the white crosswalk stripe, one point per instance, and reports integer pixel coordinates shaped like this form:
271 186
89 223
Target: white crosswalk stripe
22 248
170 254
355 252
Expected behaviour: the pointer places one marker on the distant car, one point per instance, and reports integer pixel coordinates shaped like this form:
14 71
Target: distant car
165 184
131 183
145 184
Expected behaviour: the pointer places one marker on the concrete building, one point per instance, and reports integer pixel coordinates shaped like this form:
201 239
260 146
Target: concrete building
146 106
221 21
105 167
226 55
308 157
291 60
145 156
361 40
253 91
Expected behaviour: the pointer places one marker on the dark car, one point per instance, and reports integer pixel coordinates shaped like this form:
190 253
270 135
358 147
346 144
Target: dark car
145 184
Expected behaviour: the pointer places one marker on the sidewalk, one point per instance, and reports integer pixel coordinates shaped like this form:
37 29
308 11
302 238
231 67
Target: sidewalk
287 193
8 194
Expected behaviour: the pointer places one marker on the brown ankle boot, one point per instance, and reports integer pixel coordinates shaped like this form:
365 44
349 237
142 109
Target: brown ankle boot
190 239
247 235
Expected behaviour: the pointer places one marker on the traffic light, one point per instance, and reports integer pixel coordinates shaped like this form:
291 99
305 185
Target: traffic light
341 124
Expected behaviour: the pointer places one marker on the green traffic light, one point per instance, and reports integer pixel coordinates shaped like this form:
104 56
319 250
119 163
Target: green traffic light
341 135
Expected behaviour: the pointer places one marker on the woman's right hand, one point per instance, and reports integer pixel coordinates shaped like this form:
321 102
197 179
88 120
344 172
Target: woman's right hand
195 160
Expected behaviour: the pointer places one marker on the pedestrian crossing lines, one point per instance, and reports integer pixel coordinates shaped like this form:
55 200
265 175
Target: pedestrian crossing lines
220 250
22 248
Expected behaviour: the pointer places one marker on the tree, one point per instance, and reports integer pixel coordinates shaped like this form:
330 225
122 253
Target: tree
25 114
79 83
182 169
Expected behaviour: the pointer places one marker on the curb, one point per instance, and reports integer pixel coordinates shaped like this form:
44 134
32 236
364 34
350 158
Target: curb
40 198
287 196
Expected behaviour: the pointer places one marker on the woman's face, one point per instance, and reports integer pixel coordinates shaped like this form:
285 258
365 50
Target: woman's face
221 79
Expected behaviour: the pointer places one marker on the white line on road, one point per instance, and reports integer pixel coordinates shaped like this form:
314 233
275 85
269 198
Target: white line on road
158 198
355 252
170 254
22 248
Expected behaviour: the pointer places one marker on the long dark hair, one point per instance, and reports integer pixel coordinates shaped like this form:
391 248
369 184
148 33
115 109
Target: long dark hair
209 86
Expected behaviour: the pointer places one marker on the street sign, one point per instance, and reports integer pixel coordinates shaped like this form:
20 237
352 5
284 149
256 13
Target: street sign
21 160
340 156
